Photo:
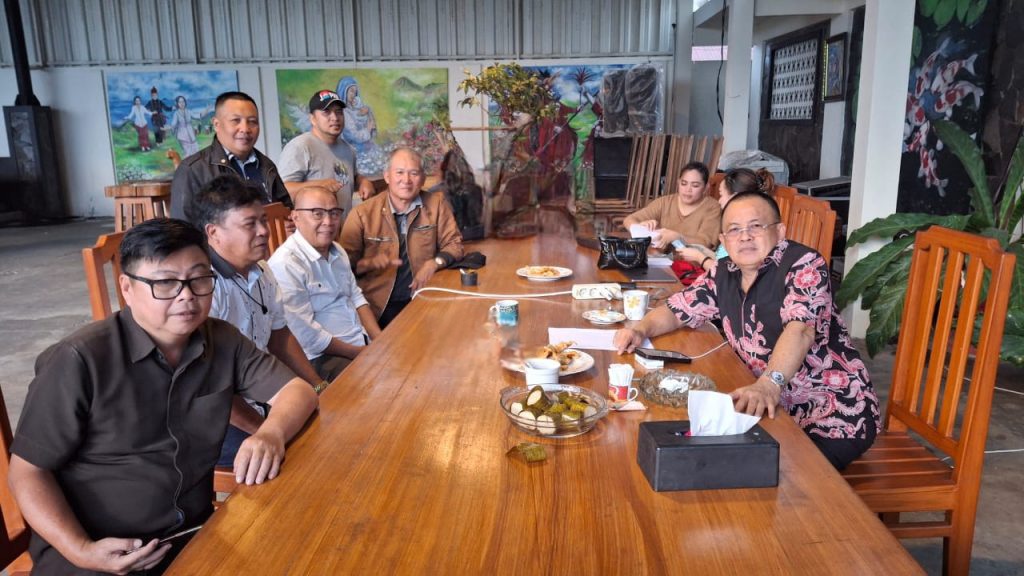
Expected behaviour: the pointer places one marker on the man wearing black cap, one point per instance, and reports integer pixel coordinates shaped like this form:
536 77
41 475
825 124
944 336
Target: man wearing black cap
321 157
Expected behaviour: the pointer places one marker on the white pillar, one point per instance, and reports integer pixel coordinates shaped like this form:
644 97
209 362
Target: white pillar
881 108
736 108
682 69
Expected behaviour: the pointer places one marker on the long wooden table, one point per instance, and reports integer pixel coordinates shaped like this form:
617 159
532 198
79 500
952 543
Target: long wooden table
404 469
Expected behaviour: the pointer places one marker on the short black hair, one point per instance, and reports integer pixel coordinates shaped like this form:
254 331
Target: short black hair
235 95
157 239
219 196
699 167
763 197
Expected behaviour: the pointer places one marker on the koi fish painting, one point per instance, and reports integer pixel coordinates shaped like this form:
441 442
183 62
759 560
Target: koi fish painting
948 76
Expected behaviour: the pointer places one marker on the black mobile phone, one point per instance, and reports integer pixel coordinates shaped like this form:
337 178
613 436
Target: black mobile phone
665 355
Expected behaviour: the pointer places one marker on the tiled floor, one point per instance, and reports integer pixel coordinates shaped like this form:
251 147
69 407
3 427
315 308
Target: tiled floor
45 298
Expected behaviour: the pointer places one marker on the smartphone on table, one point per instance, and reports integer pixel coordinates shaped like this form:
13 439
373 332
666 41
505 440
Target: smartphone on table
664 355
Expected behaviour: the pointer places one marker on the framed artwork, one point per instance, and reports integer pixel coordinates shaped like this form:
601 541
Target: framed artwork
385 108
152 113
835 68
792 64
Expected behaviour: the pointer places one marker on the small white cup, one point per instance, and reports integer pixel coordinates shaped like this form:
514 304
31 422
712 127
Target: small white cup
634 303
541 371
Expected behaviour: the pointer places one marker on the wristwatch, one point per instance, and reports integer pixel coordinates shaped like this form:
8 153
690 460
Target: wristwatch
777 378
439 261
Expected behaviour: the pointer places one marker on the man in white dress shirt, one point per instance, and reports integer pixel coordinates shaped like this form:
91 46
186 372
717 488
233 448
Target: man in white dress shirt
230 211
324 305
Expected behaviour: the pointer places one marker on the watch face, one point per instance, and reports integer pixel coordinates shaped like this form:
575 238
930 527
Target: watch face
777 377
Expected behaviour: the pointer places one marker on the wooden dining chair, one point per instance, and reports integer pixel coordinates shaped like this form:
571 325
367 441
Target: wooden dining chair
784 198
15 534
277 215
714 183
96 259
958 283
811 222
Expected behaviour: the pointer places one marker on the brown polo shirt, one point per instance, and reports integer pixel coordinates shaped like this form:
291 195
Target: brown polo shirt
131 442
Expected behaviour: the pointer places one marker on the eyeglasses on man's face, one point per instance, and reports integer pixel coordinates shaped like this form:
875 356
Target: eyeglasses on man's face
169 288
319 213
753 230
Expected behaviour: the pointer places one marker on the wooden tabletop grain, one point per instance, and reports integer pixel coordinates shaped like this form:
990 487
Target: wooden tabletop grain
404 468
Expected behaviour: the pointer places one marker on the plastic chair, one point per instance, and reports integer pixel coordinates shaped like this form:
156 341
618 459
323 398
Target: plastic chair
958 282
15 534
277 217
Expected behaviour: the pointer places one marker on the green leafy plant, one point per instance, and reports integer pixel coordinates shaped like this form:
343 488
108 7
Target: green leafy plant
880 279
515 90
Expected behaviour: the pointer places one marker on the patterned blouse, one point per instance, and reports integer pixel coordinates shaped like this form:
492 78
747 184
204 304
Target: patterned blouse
831 395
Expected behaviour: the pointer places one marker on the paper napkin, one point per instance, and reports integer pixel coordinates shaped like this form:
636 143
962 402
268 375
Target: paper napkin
712 414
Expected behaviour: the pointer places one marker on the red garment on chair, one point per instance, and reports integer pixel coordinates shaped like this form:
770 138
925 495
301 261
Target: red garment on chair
686 272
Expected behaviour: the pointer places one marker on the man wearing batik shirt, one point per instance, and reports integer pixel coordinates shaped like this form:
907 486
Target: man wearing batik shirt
775 304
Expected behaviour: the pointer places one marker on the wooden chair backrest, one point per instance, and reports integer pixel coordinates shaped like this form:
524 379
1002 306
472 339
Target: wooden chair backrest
811 222
277 215
714 182
95 260
784 198
15 534
946 295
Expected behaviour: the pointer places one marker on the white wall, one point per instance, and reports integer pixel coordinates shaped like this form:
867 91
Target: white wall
833 120
78 97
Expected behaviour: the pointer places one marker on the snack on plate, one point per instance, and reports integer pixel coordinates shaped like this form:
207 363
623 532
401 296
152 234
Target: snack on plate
560 352
545 271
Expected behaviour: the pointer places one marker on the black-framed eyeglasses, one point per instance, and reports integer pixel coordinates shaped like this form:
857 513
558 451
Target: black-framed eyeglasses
319 213
754 230
169 288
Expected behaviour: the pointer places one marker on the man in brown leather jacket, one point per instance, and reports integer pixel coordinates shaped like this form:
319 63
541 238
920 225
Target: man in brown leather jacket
398 240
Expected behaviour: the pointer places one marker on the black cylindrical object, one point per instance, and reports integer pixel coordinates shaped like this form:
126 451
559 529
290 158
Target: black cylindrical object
17 31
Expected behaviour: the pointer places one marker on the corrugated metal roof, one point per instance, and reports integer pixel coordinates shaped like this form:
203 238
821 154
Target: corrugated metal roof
134 32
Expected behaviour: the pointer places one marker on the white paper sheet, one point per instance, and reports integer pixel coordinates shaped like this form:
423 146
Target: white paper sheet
587 338
659 261
712 414
638 231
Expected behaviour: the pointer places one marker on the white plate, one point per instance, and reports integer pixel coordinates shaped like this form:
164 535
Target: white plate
604 316
533 273
582 363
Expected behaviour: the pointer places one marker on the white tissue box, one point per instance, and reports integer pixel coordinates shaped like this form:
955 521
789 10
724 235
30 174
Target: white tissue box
648 363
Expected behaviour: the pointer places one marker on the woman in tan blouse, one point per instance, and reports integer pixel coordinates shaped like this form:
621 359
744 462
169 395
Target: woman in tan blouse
689 215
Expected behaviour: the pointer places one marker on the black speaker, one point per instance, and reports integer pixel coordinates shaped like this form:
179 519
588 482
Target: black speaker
30 136
611 157
610 187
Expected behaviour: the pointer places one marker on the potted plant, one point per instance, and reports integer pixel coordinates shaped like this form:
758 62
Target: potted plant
522 99
880 279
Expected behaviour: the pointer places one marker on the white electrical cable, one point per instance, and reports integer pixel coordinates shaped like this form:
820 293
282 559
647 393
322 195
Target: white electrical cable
1010 391
724 342
486 295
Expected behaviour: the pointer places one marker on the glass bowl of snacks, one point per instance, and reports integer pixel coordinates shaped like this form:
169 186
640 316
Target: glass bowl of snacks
553 410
